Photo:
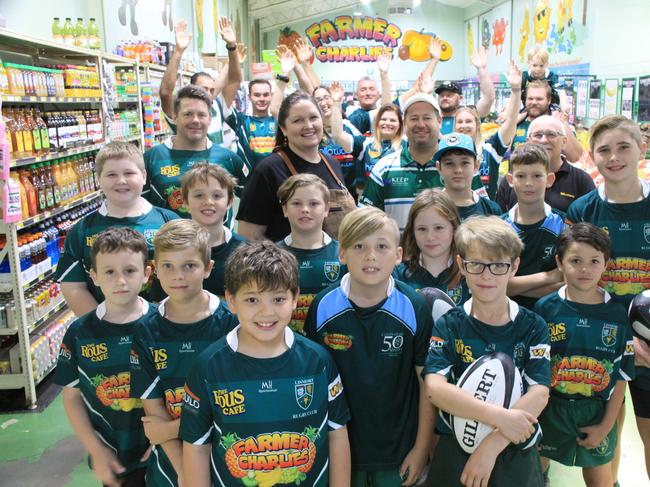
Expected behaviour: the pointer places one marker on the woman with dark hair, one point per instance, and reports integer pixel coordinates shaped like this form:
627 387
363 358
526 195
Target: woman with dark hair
297 144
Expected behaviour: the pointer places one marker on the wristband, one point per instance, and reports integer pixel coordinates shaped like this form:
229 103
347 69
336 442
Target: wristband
282 77
233 48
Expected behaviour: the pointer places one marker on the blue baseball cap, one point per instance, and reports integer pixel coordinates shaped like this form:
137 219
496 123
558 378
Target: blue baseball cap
455 141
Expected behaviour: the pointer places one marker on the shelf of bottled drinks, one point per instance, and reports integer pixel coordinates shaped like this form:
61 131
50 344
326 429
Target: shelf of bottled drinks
61 100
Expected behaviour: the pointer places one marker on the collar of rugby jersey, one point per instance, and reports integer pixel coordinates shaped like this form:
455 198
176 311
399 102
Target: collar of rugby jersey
146 207
606 296
326 239
513 308
227 234
232 338
449 262
101 311
169 143
645 189
512 214
406 159
345 285
213 303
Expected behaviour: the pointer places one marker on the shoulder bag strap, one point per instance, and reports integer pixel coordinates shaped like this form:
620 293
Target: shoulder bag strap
329 168
287 161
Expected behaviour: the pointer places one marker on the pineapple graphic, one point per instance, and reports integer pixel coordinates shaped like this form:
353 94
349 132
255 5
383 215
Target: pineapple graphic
226 442
311 433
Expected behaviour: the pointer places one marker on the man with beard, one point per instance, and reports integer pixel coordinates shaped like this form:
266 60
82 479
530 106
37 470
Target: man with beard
570 182
450 94
399 177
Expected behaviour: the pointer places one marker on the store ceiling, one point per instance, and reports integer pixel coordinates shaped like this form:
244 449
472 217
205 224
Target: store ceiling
274 14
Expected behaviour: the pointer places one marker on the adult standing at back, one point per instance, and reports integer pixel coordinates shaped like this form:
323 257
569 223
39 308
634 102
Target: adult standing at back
167 162
450 94
570 182
297 150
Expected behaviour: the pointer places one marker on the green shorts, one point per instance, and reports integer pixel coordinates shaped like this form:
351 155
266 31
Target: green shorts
380 478
513 468
561 422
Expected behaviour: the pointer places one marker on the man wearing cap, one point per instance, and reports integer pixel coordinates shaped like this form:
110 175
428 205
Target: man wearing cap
450 94
399 177
570 182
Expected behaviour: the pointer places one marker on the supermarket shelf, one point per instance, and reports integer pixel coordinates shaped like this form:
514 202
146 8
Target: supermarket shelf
55 155
49 99
154 67
162 132
12 381
47 316
114 58
127 99
130 138
8 331
47 372
40 278
49 214
20 41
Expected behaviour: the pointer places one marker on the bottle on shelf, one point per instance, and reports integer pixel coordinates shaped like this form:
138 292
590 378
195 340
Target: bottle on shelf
80 33
67 32
28 141
35 131
4 81
57 36
31 193
93 34
49 186
55 187
39 186
24 209
42 127
16 135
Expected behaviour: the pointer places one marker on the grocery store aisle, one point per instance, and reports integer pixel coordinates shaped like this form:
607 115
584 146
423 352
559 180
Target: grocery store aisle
40 450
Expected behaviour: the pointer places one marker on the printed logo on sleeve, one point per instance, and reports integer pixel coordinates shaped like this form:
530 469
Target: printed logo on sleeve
629 348
64 352
190 399
337 341
335 388
541 351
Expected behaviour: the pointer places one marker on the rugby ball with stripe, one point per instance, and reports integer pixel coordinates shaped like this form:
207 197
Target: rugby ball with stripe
640 315
438 301
492 378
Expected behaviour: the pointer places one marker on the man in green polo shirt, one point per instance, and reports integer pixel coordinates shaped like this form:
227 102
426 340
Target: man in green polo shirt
397 179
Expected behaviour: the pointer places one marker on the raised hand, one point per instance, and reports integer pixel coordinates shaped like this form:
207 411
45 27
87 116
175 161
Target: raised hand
480 58
435 48
425 83
337 92
513 76
302 50
183 38
227 32
241 52
287 59
383 62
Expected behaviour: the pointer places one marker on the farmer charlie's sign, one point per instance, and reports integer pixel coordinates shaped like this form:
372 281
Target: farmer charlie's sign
326 37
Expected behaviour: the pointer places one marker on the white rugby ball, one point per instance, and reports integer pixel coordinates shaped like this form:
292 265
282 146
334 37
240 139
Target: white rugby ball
438 301
492 378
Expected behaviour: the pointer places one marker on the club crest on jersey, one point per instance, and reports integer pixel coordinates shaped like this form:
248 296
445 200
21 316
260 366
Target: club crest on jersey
609 334
149 235
304 392
646 232
332 270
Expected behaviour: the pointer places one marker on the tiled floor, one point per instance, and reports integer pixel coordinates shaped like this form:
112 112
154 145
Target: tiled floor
40 450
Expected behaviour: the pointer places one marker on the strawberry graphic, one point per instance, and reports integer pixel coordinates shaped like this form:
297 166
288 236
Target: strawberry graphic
174 197
226 442
311 433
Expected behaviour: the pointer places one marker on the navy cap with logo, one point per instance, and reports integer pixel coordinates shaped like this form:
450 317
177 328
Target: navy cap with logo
449 86
455 141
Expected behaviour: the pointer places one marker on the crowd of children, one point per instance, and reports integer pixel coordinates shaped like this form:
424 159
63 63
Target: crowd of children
314 361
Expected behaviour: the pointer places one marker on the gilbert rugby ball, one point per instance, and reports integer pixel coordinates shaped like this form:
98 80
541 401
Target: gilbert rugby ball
640 315
492 378
438 301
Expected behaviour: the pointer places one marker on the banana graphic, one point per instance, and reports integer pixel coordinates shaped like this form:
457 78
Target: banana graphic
268 479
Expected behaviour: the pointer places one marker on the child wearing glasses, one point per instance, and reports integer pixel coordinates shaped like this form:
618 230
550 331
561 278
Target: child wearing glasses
536 223
489 251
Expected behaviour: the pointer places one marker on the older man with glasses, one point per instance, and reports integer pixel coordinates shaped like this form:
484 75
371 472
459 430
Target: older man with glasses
570 181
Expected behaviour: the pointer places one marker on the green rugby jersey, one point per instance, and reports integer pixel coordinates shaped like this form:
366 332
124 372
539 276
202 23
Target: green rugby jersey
539 241
628 226
421 278
166 165
521 133
318 268
162 355
219 254
492 151
397 179
370 156
74 265
481 206
591 345
256 135
267 420
458 340
95 358
376 351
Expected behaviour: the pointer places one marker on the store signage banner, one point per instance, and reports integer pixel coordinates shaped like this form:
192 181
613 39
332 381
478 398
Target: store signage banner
627 97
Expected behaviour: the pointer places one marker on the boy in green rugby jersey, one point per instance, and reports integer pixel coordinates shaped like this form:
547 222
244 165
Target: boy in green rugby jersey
458 164
121 174
592 358
377 330
94 362
305 203
621 206
264 406
187 321
489 322
537 224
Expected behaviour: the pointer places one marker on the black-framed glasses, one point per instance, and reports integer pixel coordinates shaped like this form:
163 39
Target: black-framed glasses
496 268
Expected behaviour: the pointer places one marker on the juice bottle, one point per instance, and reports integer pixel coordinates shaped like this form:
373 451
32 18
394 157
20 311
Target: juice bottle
65 182
73 125
93 34
24 207
73 183
83 128
39 186
80 33
58 181
76 166
15 134
55 186
30 192
49 186
68 32
4 80
56 30
45 137
28 141
35 130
